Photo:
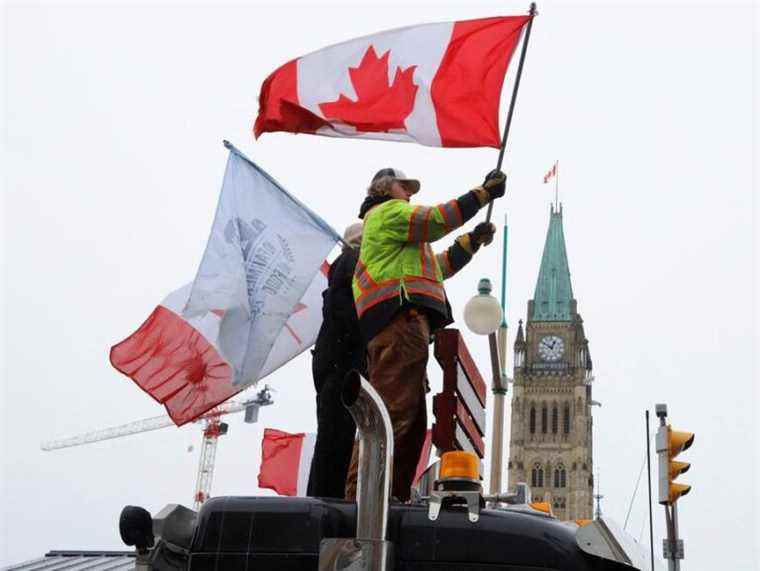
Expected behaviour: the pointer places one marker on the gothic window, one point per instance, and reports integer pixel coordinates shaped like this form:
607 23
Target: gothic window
537 476
544 419
566 419
555 419
560 477
532 419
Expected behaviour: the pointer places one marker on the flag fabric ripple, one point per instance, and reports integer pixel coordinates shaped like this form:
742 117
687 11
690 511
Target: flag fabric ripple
434 84
176 361
254 305
286 461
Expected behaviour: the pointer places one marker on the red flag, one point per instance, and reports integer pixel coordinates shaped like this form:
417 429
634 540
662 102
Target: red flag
551 173
434 84
286 461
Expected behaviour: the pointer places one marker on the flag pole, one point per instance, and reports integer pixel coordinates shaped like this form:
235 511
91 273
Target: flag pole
532 13
556 185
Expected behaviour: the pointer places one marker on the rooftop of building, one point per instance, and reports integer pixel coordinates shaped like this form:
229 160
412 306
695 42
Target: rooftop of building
76 560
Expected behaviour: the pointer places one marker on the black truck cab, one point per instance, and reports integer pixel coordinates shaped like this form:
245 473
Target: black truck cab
449 526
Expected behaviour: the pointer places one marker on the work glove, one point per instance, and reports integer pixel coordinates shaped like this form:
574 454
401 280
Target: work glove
495 184
482 234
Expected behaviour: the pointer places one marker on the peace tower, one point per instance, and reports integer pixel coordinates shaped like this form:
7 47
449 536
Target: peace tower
550 443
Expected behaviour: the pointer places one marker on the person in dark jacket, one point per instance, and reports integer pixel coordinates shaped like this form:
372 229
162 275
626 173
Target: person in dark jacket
339 349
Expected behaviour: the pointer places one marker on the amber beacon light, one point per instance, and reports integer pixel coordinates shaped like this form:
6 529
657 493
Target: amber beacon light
460 465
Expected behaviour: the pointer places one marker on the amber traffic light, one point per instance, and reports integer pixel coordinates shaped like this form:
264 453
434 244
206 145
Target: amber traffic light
670 443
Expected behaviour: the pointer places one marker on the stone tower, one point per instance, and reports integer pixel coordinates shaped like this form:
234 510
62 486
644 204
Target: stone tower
550 443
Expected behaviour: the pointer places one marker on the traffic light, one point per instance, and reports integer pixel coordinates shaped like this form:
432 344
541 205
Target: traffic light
670 443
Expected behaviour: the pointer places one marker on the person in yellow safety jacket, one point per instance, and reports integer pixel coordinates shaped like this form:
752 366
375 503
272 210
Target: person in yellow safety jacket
400 300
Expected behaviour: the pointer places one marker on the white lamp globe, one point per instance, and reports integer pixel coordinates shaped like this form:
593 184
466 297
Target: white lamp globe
482 314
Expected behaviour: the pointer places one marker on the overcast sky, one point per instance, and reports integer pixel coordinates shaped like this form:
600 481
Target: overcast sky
114 120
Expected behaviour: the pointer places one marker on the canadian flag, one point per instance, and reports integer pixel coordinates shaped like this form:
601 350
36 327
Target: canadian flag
551 173
434 84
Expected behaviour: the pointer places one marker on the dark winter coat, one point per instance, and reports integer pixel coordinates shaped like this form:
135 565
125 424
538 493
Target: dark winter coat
339 347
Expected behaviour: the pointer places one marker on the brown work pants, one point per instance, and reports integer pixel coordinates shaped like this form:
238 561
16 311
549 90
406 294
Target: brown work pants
397 362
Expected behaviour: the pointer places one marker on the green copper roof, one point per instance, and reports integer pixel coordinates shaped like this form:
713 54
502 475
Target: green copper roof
551 301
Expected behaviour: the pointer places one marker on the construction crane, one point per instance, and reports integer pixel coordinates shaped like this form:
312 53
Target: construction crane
213 428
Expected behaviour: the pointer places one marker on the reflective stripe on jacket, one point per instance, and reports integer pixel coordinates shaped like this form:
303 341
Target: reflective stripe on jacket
397 265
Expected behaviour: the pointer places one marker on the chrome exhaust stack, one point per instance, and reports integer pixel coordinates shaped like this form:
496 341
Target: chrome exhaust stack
375 456
369 551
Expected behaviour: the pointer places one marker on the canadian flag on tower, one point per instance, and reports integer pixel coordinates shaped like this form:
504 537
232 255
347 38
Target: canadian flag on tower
434 84
551 173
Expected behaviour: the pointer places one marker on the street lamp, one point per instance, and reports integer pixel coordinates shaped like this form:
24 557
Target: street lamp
483 316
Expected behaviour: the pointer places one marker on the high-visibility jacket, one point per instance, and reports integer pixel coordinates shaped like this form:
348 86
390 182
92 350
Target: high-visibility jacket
397 266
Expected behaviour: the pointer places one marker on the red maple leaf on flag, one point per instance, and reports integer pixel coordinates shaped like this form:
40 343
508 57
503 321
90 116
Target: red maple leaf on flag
379 107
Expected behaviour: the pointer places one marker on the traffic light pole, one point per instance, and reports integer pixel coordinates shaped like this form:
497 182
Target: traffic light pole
668 544
662 455
666 450
676 545
649 479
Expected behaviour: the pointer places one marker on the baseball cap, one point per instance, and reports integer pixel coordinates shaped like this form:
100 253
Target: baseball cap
413 185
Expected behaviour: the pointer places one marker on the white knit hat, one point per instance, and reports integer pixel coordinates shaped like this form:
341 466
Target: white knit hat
353 234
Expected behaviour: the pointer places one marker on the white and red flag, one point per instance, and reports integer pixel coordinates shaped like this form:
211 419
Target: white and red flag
254 305
286 461
551 173
178 362
434 84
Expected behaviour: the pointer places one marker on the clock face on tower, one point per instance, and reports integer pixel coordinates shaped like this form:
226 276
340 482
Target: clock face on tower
551 348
